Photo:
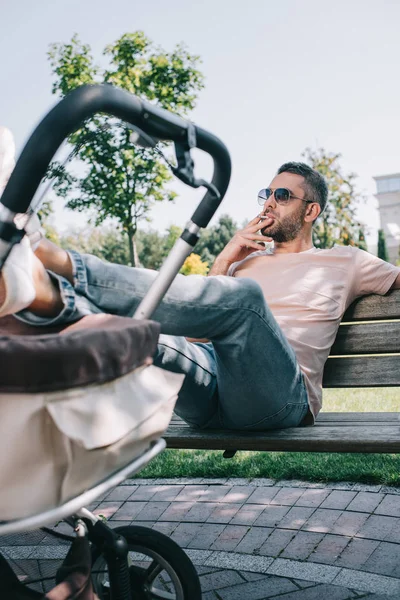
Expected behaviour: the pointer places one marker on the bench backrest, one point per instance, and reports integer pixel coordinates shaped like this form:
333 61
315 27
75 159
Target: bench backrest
366 352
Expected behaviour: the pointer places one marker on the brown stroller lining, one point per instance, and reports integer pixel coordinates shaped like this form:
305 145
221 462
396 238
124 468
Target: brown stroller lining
73 578
94 350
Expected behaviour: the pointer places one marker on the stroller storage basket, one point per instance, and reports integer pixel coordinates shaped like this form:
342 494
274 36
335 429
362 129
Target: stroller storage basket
57 444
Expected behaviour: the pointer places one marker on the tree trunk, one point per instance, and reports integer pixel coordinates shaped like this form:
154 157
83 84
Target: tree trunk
132 248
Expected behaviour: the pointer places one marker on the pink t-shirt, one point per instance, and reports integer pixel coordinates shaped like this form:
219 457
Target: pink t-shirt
308 293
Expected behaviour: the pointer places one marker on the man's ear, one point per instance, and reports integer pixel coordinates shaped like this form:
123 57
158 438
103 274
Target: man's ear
312 212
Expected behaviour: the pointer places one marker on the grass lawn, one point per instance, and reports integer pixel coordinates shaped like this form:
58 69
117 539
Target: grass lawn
365 468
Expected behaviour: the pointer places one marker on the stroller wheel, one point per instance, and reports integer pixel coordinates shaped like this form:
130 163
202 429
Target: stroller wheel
159 569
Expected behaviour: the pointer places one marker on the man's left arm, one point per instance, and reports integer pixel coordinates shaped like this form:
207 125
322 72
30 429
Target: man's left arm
396 283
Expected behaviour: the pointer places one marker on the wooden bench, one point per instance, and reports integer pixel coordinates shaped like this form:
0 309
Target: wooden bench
366 353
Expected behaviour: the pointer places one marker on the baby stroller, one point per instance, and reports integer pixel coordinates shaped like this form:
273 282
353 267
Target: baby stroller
88 409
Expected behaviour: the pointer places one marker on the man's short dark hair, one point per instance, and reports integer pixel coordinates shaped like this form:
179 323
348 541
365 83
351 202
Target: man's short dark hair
314 184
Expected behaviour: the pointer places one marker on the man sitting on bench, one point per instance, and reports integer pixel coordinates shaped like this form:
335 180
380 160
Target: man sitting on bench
270 316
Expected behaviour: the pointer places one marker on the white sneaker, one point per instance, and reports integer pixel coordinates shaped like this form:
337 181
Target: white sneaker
18 279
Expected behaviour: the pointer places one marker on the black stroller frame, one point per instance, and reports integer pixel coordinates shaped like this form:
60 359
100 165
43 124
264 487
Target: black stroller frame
113 575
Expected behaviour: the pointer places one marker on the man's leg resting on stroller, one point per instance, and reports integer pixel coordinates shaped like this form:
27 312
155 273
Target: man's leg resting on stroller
248 378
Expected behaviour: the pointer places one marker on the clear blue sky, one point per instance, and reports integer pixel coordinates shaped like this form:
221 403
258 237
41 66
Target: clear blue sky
280 76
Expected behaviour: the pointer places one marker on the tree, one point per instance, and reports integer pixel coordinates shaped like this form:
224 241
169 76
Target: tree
118 179
214 239
338 223
193 265
382 249
107 243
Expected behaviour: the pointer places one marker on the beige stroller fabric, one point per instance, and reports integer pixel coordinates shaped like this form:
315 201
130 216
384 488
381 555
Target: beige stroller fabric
54 445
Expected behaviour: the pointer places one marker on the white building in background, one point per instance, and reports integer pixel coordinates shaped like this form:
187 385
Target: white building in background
388 194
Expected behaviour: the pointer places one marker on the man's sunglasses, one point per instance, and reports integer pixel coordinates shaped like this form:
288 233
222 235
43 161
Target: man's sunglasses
281 195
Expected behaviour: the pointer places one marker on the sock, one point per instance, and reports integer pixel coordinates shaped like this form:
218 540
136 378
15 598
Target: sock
18 279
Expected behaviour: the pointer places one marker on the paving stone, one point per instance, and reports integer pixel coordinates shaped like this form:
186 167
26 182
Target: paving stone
377 527
52 552
349 523
385 560
165 527
144 492
235 481
229 538
191 493
368 582
239 562
199 557
152 511
276 542
304 584
253 540
388 489
15 552
262 482
257 590
287 496
177 511
329 549
201 511
263 495
313 497
271 516
238 494
185 532
365 487
122 492
224 513
338 499
178 481
356 553
296 517
304 570
219 579
322 520
206 536
252 576
365 502
114 524
167 493
341 485
216 481
390 506
302 545
214 493
128 510
246 514
394 535
209 596
108 509
26 538
316 592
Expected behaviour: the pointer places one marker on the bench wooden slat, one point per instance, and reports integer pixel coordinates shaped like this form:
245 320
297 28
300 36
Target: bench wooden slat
327 419
375 307
368 338
366 371
325 436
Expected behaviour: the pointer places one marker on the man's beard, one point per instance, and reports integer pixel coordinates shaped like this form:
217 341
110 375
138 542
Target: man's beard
288 228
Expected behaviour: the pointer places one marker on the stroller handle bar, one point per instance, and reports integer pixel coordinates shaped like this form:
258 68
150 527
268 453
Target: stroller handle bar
88 100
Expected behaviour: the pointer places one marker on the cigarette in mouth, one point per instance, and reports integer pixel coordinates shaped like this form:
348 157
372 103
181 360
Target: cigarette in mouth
264 217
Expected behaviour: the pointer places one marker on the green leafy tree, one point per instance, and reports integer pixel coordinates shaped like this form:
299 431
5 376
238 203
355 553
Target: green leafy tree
382 248
117 179
338 223
214 239
107 243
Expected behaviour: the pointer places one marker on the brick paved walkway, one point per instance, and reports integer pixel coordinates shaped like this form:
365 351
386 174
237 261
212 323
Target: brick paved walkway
257 539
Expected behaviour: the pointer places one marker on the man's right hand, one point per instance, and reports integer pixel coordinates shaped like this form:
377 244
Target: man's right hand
244 242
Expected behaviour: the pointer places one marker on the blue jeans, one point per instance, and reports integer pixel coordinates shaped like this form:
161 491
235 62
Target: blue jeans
246 378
